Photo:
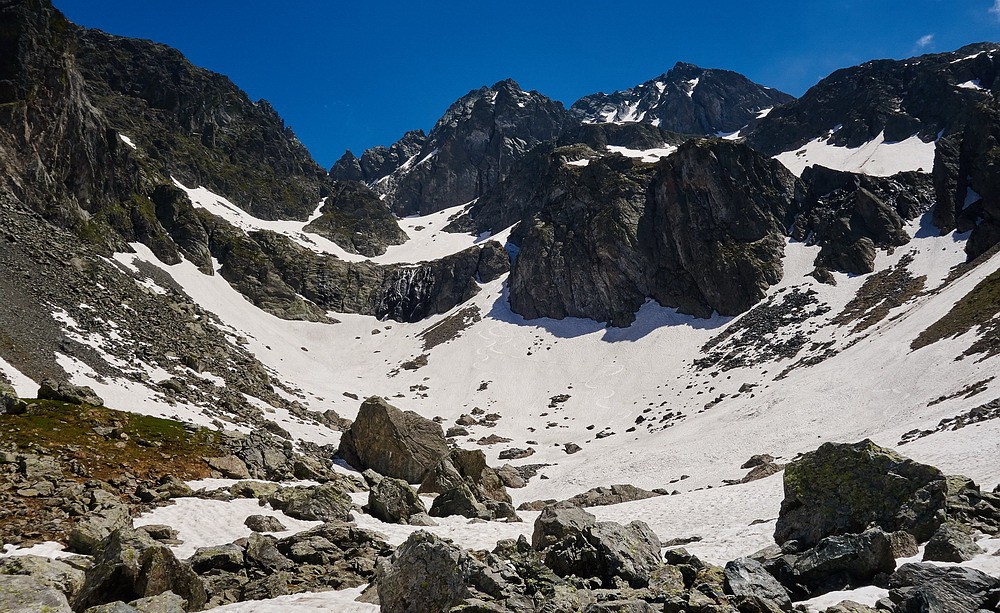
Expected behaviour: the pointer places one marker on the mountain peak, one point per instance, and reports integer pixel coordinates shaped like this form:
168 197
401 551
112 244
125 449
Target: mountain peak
687 99
508 83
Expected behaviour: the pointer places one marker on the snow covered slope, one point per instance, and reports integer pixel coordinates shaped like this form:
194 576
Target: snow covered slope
642 401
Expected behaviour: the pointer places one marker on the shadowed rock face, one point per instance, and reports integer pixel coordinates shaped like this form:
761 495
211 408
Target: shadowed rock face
198 126
702 230
685 99
966 180
901 98
849 215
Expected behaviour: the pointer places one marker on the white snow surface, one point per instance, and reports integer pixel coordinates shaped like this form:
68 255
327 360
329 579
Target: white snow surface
204 522
23 385
878 157
645 155
127 141
340 601
48 549
973 84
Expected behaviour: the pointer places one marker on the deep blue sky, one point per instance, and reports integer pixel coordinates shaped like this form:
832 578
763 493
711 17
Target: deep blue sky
360 73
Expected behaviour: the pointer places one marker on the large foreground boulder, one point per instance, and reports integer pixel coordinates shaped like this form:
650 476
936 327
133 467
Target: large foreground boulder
574 543
426 574
844 488
131 566
394 443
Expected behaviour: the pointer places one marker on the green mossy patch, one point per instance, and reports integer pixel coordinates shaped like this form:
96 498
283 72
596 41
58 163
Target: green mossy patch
148 447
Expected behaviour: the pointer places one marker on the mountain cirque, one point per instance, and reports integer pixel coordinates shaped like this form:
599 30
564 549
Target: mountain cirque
231 378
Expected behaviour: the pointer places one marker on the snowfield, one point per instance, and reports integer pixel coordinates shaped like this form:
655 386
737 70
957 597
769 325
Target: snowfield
664 422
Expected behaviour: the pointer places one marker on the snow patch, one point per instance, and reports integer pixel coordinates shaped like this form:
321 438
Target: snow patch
646 155
877 158
203 522
24 386
973 84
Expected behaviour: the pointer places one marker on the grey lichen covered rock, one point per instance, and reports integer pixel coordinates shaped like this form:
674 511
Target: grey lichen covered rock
951 543
426 573
264 523
25 594
131 565
47 572
394 443
325 502
575 544
843 488
843 562
753 588
64 391
89 533
394 501
468 487
928 587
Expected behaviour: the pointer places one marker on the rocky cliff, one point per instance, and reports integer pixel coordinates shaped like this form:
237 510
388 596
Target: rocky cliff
701 230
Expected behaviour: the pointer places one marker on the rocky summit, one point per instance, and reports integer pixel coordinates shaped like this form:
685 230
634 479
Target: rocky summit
695 346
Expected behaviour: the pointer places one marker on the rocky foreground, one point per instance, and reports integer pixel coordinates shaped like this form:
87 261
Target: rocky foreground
850 512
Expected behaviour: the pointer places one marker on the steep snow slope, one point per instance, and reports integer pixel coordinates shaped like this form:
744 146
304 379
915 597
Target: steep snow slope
425 242
878 157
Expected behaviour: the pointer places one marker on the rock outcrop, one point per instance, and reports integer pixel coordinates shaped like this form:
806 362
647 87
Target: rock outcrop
293 282
702 230
353 217
394 443
965 180
850 215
